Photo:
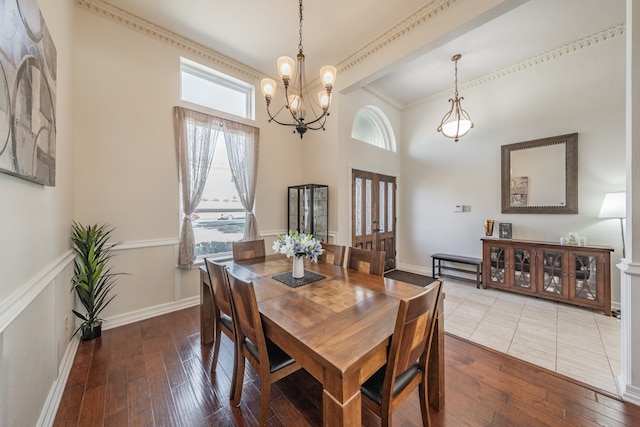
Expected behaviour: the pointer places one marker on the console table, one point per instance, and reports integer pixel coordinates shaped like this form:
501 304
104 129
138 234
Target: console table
579 275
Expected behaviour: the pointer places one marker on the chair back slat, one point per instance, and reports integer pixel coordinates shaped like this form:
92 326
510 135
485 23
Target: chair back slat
247 317
248 249
220 285
413 331
366 260
332 254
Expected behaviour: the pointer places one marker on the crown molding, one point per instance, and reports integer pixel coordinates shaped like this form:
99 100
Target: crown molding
420 17
383 96
592 40
415 20
152 30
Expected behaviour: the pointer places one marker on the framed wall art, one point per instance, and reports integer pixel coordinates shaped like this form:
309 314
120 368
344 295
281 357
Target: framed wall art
504 230
27 93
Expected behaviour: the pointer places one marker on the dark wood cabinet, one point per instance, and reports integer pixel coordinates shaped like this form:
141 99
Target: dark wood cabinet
579 275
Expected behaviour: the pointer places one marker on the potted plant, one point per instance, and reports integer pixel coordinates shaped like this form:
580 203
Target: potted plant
92 279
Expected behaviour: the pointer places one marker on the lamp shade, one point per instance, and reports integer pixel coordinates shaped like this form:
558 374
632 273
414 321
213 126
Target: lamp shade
268 87
614 205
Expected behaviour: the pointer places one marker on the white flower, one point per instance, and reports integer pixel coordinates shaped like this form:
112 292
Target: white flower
298 245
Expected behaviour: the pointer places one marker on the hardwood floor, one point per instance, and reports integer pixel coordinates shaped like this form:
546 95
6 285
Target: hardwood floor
156 373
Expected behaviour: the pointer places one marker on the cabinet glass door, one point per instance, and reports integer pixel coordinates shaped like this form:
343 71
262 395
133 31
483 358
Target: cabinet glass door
585 273
497 256
522 269
553 273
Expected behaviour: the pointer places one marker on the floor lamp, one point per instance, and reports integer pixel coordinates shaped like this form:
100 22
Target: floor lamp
614 206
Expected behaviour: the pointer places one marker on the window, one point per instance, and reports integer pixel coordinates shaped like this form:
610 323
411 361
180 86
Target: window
219 218
207 87
372 126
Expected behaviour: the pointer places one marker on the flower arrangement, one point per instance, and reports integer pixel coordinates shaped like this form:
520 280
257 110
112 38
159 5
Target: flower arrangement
299 245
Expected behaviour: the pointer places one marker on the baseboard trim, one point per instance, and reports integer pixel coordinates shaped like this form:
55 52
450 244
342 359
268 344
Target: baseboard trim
50 408
630 393
418 269
147 313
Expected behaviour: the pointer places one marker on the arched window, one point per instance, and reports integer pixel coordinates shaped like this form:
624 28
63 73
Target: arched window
372 126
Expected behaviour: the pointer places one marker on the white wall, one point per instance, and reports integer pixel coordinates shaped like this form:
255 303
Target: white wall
35 255
581 91
127 85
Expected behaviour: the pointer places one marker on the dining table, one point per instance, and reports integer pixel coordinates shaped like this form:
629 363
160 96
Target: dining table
335 322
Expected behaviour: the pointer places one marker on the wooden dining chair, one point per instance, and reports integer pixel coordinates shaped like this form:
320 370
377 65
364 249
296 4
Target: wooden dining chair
222 312
248 249
407 362
366 260
332 254
269 361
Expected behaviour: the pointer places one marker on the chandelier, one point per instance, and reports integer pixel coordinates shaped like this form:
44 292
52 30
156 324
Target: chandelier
306 112
456 123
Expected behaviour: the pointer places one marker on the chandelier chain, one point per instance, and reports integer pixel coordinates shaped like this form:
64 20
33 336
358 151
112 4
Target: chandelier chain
456 78
300 33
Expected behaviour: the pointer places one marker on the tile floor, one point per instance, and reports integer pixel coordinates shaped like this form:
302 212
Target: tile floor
580 343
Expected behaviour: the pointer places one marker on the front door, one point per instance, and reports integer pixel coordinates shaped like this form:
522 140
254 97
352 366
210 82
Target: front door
374 214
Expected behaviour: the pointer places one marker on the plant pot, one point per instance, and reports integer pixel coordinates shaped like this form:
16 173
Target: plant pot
91 333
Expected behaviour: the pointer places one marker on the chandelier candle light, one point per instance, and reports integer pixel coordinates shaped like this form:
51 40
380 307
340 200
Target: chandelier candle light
299 246
297 99
456 123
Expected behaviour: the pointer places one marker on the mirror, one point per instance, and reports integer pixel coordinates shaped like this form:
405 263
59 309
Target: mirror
541 176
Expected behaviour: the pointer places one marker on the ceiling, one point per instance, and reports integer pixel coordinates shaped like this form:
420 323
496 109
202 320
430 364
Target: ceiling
256 32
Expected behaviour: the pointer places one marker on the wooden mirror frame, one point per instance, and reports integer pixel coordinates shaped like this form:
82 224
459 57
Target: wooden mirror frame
571 176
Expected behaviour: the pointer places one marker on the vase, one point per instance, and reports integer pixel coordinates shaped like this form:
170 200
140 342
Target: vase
488 227
298 267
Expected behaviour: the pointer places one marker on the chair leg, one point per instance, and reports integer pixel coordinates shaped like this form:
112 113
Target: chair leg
216 346
234 376
265 399
424 403
237 388
386 419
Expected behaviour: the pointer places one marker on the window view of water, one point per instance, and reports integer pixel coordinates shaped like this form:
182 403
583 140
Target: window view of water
216 225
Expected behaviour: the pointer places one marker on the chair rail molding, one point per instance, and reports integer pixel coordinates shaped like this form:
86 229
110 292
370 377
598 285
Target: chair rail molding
12 306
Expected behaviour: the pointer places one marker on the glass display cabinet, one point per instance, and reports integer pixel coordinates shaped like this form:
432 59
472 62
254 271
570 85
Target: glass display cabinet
308 210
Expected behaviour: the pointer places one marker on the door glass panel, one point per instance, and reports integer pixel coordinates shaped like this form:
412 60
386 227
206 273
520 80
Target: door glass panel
368 206
381 207
552 278
390 206
586 268
522 268
358 207
497 264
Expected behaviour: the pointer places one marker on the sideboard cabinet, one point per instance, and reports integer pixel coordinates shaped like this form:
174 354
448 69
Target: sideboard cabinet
579 275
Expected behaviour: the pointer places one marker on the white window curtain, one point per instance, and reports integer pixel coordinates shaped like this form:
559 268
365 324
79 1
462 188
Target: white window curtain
242 142
196 134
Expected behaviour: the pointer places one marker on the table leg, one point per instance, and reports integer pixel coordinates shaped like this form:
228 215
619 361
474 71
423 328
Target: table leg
337 413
